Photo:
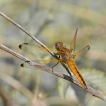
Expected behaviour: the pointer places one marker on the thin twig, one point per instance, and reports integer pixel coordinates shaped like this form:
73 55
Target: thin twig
44 68
34 38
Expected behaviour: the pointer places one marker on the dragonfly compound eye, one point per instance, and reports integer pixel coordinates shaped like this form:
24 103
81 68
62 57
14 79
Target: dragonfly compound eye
58 45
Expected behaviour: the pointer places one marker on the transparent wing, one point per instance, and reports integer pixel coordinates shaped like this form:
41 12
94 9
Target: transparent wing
80 54
35 51
21 46
27 66
38 54
47 61
72 47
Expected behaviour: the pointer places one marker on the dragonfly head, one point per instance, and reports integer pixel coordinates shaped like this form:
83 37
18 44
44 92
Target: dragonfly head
58 45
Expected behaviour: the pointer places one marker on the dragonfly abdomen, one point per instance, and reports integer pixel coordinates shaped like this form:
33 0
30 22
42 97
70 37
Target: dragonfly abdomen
76 72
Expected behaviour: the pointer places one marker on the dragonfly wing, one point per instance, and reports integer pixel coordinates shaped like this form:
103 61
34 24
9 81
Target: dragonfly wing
26 65
80 54
21 46
73 41
38 53
35 50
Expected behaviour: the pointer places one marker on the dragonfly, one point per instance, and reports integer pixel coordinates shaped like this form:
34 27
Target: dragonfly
66 56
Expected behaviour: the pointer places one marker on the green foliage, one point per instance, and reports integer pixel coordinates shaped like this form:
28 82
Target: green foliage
95 78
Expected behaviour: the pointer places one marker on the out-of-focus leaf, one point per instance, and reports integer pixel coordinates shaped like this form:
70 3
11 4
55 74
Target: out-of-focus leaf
16 85
96 78
60 87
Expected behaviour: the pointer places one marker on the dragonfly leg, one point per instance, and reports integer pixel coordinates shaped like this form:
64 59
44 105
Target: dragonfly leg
56 63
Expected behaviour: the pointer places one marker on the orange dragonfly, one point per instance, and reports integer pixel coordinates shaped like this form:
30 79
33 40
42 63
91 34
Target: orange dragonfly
66 56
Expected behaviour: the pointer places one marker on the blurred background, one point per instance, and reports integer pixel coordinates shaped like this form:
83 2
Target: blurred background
51 21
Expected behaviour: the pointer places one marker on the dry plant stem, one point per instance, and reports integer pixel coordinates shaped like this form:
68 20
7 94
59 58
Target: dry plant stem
13 22
72 78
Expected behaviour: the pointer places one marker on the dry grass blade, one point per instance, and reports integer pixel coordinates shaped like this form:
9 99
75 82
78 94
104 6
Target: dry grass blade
17 85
